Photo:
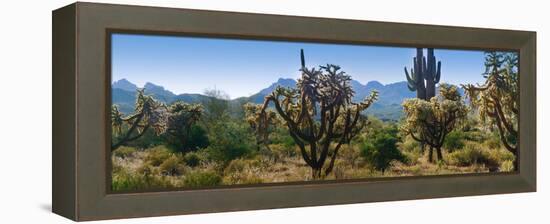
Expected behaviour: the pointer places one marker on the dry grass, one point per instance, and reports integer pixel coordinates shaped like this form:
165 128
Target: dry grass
173 170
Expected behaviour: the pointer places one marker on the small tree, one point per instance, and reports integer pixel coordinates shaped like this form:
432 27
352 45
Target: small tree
180 120
148 114
429 122
319 114
497 100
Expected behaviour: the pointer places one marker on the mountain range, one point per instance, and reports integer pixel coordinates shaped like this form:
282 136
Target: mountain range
387 107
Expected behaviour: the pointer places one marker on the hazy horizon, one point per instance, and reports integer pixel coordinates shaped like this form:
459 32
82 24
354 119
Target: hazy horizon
244 67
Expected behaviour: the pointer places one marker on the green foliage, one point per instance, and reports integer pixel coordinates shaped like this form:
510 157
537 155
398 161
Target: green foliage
410 145
192 159
507 166
157 155
454 140
229 141
472 154
242 171
197 139
216 107
172 166
181 133
202 179
124 151
382 150
124 180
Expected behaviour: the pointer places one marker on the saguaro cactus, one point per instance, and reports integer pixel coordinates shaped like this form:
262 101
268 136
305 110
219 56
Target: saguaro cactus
424 74
432 74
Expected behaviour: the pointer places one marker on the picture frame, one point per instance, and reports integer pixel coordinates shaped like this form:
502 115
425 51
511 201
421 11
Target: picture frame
81 108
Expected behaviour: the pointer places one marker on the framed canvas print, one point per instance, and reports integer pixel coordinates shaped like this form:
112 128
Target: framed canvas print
202 111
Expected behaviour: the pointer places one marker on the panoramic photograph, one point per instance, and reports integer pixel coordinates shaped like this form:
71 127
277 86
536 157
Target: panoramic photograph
198 112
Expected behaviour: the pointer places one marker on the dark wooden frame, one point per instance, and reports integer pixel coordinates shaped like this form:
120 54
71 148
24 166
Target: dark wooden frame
81 101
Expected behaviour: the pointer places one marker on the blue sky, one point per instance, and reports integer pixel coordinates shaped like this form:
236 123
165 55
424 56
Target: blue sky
243 67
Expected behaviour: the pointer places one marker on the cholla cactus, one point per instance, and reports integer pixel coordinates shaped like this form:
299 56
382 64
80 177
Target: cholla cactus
497 100
148 114
319 114
261 122
180 117
429 122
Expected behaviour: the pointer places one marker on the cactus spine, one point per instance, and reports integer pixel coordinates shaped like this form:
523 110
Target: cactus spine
424 70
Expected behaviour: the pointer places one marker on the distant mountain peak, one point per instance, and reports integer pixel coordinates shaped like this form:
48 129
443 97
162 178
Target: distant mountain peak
159 91
374 84
124 84
283 82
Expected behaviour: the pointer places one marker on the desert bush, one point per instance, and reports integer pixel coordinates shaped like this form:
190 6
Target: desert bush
381 150
127 181
244 171
237 165
507 166
248 176
147 140
454 140
409 145
192 159
156 156
493 142
196 138
202 179
124 151
145 169
350 154
472 154
412 157
283 150
172 166
229 141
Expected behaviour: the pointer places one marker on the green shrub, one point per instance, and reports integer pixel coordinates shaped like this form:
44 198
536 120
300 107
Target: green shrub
229 141
454 141
381 151
147 140
124 151
242 178
506 166
410 145
500 155
127 181
470 155
145 169
196 138
237 165
202 179
172 166
493 142
156 156
192 159
283 150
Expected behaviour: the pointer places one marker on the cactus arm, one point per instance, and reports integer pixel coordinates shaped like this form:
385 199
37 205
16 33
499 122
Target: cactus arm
302 58
411 82
438 73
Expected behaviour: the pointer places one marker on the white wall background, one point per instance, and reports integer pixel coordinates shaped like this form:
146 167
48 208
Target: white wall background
25 112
